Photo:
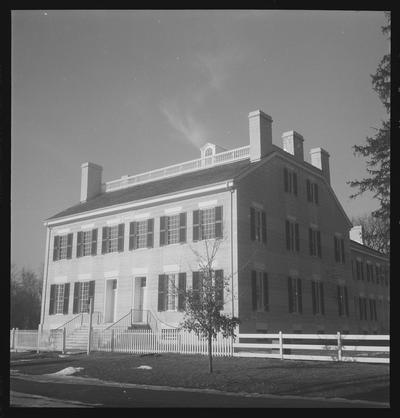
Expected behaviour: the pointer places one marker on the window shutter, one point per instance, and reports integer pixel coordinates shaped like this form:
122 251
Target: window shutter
121 230
297 236
254 289
56 247
163 221
218 222
196 225
342 249
286 179
150 233
91 290
288 235
161 292
181 291
52 299
75 307
314 302
252 224
196 286
94 241
182 227
265 291
132 235
295 184
290 294
79 249
104 239
264 227
316 199
335 244
322 299
219 284
66 299
309 197
360 306
319 243
339 300
69 246
310 241
362 270
299 296
346 301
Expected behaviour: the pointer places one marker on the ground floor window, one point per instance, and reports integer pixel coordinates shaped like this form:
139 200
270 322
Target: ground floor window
260 297
171 292
83 291
295 295
59 299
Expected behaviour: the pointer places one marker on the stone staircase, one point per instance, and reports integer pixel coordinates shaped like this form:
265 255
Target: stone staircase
78 338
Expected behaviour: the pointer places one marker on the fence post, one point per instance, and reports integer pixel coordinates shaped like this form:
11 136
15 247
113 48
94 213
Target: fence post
112 339
64 338
339 343
280 345
38 341
12 338
16 338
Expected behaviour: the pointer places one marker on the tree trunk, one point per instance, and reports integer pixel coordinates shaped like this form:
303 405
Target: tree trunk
210 354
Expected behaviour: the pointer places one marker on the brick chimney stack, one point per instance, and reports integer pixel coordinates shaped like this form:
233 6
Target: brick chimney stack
320 159
293 144
91 175
260 129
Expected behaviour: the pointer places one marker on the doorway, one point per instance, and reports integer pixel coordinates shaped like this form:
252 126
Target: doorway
111 297
138 298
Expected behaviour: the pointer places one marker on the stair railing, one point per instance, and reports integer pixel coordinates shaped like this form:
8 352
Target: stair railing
122 323
72 324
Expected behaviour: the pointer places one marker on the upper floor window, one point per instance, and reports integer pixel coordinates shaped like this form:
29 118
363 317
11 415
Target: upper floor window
295 295
173 229
59 299
86 243
141 234
62 247
370 272
113 239
83 291
342 299
207 223
338 243
312 192
372 310
259 291
292 236
377 273
258 225
362 306
317 294
360 269
290 181
314 237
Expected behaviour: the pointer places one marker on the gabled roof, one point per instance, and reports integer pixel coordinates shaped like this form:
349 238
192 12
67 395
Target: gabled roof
194 179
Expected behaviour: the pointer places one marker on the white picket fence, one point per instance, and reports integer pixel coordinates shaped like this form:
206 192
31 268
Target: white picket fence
328 347
46 340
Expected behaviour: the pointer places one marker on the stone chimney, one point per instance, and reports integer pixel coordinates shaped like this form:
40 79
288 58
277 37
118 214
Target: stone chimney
260 129
356 234
293 144
90 181
320 159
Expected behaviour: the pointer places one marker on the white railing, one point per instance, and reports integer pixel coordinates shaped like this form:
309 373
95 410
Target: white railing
329 347
176 169
46 340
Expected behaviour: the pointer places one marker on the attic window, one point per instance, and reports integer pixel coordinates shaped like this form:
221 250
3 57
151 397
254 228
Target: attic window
208 152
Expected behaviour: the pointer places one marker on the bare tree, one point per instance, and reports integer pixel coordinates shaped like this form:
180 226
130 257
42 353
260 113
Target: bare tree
373 232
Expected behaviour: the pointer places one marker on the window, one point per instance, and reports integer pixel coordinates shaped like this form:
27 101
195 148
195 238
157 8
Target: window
171 292
259 291
207 223
370 272
342 299
172 229
360 270
208 152
113 239
202 287
258 225
86 243
292 236
338 243
377 273
62 248
290 181
386 275
317 293
314 242
312 192
59 299
295 297
362 305
83 291
372 310
141 234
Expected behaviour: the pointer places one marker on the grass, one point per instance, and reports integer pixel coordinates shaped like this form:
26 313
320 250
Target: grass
252 375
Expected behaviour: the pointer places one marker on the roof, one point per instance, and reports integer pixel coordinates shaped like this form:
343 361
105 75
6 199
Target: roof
164 186
355 244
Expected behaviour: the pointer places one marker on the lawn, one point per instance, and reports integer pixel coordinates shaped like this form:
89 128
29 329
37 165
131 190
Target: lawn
252 375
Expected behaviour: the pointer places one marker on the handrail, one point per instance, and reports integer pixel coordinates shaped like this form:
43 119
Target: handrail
120 321
68 325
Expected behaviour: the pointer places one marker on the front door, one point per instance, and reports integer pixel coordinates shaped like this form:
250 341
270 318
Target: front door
138 298
111 294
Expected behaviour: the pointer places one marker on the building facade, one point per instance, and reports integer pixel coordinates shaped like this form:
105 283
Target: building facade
284 243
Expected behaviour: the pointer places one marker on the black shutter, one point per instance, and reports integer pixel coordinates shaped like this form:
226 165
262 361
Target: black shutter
69 246
288 246
290 294
161 292
297 236
339 301
79 246
121 230
219 285
299 296
313 295
94 241
182 227
132 235
310 240
254 289
342 250
252 224
322 299
150 233
295 183
335 244
362 270
163 234
264 227
181 291
316 200
196 286
104 238
56 247
346 301
196 225
309 197
75 307
286 179
319 243
218 222
52 299
66 299
91 291
265 292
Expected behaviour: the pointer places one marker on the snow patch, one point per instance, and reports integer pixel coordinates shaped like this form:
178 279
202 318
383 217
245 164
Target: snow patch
68 371
145 367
